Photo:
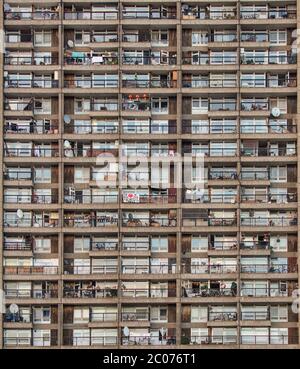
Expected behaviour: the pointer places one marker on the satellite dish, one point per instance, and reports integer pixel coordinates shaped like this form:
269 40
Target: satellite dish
14 308
276 112
67 119
20 213
70 44
126 331
7 7
67 144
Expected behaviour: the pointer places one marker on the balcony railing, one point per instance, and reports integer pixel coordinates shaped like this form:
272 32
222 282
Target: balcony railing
31 83
17 246
103 317
254 37
31 152
142 340
139 83
211 152
189 14
222 245
135 245
281 151
30 270
268 128
255 315
266 268
255 245
270 198
144 14
28 293
31 128
19 106
264 59
90 221
210 60
249 175
31 222
283 221
254 105
222 174
134 316
91 341
209 292
244 83
89 269
30 60
151 222
91 83
268 14
89 128
210 269
210 340
104 246
208 221
30 199
29 341
149 60
152 128
15 175
222 316
97 292
216 198
91 199
32 15
266 292
281 339
91 15
95 60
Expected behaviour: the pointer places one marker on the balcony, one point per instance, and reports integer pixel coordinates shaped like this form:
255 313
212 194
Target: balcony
31 294
207 59
30 60
95 15
268 14
146 341
265 151
266 268
210 340
31 270
283 221
82 58
30 83
149 83
269 198
42 15
30 199
153 60
36 152
190 13
208 221
30 127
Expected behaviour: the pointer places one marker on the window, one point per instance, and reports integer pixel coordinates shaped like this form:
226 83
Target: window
42 175
160 105
42 315
198 314
199 105
279 313
81 315
159 314
42 38
199 243
42 245
159 244
81 244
